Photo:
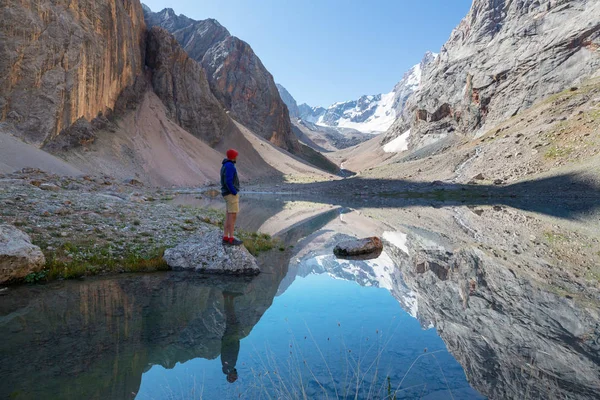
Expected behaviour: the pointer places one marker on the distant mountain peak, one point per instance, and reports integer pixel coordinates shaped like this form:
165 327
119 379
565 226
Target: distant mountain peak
289 101
369 113
233 71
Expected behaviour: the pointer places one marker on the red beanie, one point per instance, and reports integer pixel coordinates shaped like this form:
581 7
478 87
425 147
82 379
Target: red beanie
232 154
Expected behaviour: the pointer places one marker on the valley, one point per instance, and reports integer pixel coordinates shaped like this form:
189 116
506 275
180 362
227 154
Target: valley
478 170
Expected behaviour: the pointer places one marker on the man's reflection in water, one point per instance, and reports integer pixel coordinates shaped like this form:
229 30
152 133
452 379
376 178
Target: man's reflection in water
230 343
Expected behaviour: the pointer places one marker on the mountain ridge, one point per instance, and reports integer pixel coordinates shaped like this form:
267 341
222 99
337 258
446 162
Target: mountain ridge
125 99
369 113
252 97
502 58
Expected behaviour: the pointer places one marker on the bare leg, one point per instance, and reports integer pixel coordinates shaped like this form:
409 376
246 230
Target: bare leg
227 226
232 226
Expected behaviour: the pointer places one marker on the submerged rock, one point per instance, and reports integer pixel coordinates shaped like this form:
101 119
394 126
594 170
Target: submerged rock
18 257
358 247
207 254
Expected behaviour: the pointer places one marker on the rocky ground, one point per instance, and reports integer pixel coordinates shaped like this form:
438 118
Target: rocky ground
95 224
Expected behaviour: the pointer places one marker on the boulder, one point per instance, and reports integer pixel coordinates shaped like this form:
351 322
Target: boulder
357 247
18 257
207 254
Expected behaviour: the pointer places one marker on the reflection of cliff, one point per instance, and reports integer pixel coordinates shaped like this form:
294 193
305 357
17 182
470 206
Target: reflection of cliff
94 339
488 292
514 338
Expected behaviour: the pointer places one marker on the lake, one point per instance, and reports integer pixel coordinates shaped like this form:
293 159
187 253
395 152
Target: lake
465 302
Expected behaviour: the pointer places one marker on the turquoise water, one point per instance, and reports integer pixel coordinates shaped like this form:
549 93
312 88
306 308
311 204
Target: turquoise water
324 338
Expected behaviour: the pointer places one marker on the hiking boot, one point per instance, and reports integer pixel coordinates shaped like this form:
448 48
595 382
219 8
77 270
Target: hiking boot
235 242
225 240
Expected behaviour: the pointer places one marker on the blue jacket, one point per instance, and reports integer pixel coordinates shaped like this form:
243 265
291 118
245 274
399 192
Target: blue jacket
230 183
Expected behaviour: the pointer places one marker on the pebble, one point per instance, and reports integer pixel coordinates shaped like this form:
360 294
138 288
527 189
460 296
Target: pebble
49 187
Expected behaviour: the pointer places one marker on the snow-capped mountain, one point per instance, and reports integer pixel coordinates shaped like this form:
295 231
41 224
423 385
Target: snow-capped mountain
369 114
380 272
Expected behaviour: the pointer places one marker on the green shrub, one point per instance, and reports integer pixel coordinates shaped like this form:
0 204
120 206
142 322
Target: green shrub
35 277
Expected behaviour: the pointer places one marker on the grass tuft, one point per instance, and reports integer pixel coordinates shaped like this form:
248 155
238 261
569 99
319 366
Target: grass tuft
257 243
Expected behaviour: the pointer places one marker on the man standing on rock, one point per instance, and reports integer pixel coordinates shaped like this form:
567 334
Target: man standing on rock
230 186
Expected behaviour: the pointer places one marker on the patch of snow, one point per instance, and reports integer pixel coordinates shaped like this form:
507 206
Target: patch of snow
414 78
399 144
398 239
411 304
372 113
382 267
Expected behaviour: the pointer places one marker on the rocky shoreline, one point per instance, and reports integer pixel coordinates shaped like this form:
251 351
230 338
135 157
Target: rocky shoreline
93 225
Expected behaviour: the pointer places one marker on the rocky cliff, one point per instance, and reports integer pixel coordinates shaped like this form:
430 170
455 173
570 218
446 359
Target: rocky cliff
236 75
61 61
181 84
501 58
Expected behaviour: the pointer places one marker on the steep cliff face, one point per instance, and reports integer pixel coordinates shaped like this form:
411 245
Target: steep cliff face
237 77
503 57
181 84
289 101
61 61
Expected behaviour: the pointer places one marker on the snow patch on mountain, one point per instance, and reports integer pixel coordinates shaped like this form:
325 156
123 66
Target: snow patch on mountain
399 144
398 239
371 113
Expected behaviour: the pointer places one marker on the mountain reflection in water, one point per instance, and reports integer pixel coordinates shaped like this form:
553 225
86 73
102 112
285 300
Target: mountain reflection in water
517 321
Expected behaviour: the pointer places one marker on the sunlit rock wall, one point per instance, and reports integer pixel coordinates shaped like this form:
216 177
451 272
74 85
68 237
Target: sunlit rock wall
65 60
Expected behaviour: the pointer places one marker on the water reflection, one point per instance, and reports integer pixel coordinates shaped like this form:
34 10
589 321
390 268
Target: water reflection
512 295
230 343
95 339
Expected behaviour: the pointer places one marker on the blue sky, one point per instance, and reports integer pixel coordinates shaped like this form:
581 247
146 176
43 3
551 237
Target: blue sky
325 51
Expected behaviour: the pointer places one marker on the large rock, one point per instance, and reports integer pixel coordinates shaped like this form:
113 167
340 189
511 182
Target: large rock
64 60
181 84
237 77
357 247
18 257
207 254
